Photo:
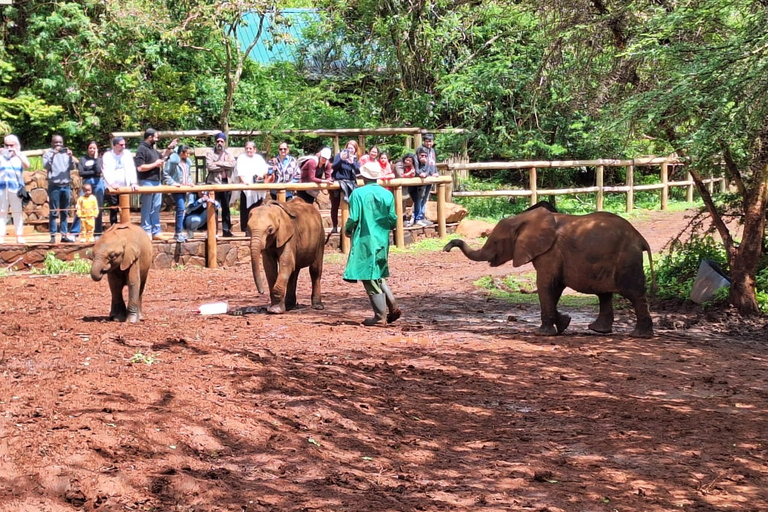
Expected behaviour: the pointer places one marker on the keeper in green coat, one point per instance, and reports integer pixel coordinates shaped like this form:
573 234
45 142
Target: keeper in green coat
371 217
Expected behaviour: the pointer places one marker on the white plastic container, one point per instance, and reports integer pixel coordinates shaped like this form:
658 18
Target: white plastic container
213 308
708 280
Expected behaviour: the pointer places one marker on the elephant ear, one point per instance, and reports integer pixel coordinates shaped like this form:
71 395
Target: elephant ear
535 235
287 227
130 250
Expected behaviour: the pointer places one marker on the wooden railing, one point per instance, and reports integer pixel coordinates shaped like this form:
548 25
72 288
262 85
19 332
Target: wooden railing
599 189
395 184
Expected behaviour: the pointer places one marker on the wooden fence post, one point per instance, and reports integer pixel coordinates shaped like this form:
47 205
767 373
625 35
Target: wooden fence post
532 179
600 192
281 195
124 202
631 184
400 229
344 241
336 144
440 210
211 226
665 185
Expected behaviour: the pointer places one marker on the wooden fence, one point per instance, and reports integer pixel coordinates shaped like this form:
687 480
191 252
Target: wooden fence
629 188
395 184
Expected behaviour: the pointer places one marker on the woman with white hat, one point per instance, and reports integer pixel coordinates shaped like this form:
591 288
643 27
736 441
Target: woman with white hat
315 169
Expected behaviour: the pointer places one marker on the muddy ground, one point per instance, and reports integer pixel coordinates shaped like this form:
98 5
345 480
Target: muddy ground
453 407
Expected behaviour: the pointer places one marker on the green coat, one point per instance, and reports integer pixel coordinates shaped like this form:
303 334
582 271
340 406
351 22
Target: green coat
371 217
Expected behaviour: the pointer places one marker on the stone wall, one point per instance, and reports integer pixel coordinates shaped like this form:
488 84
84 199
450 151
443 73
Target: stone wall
37 211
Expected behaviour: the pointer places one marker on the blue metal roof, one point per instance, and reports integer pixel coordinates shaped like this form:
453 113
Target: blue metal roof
280 40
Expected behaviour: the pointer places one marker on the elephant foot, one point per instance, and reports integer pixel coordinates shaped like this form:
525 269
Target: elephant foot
134 318
276 309
546 330
643 331
601 326
563 321
318 305
118 317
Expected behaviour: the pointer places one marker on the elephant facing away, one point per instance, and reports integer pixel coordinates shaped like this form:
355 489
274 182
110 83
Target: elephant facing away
599 253
124 253
288 237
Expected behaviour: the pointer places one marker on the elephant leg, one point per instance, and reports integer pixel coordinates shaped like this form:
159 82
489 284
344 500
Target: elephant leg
117 310
644 327
134 294
552 321
141 293
276 285
604 322
315 272
290 292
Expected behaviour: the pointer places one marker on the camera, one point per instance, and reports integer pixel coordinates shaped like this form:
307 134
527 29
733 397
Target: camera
62 149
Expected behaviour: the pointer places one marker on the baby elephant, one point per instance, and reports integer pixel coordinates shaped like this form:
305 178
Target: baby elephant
124 252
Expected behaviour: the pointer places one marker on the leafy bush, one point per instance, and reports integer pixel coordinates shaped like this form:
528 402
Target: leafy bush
53 265
676 270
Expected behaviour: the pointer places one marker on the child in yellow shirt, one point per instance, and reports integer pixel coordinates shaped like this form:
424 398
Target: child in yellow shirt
87 210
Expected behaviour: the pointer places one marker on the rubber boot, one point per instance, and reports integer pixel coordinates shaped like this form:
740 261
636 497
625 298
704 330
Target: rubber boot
379 303
394 311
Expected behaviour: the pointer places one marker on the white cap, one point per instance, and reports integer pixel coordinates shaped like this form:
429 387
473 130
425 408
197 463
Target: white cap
325 153
371 170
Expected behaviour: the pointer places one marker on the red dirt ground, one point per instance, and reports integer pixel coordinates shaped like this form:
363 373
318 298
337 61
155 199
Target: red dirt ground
454 407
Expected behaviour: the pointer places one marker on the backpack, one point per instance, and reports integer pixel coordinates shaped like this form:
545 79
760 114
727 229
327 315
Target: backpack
59 168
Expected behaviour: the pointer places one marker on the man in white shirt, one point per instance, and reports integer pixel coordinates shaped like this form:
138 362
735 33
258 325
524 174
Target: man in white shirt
118 170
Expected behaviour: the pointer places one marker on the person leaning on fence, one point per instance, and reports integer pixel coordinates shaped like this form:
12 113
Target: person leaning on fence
149 167
427 167
117 171
196 214
250 168
346 166
87 210
284 168
12 165
315 169
371 218
59 164
89 170
220 164
176 173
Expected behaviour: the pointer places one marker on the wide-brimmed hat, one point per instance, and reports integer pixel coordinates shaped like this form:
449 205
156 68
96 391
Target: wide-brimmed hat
371 170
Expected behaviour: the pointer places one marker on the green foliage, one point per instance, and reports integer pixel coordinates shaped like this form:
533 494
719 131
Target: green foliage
520 289
140 358
53 265
423 246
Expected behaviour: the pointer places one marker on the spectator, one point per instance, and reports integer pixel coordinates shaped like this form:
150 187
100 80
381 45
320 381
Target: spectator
315 169
285 169
220 164
345 168
12 165
149 167
196 214
250 168
371 156
176 173
386 166
90 172
371 218
406 168
59 164
87 210
117 170
427 167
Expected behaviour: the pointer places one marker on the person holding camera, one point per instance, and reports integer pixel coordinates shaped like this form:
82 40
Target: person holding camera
346 167
149 165
220 164
59 164
12 165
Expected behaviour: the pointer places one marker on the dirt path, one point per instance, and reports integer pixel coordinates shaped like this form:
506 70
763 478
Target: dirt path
451 408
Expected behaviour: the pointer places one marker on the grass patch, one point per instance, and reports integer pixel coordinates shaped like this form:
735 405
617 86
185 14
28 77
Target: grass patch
52 265
424 245
521 288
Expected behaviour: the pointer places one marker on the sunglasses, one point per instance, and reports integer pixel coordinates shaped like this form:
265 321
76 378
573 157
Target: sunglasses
283 149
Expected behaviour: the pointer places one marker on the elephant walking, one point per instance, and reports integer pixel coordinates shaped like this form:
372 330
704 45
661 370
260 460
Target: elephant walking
288 237
599 253
124 253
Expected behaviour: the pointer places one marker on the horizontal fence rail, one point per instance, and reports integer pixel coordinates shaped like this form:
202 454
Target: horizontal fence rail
280 188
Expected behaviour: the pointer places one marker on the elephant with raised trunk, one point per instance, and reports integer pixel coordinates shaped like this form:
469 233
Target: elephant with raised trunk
287 237
598 253
124 254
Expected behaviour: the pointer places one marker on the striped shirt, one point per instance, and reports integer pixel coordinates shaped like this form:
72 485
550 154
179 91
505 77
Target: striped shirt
11 173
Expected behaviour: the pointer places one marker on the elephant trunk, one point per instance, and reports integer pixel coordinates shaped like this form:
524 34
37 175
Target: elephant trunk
256 260
474 255
97 269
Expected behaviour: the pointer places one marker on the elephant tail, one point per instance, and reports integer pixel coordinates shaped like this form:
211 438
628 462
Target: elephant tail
654 289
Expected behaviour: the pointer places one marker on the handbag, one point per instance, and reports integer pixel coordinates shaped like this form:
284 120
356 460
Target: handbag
23 194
